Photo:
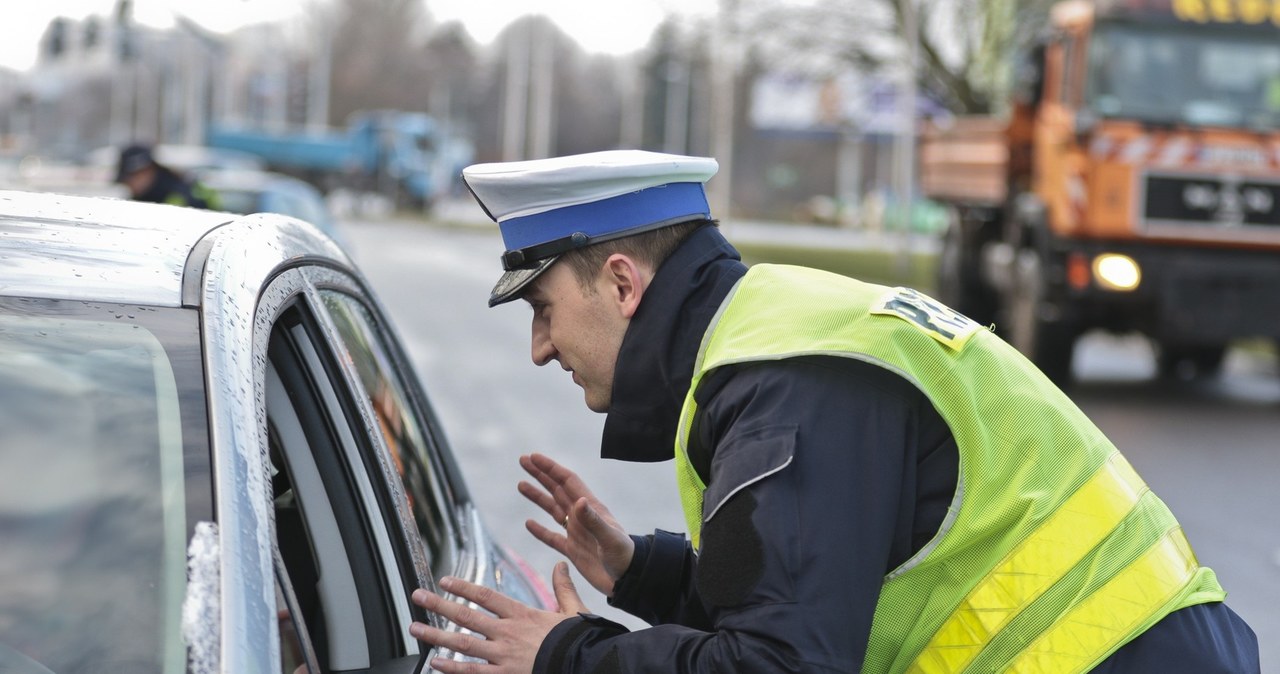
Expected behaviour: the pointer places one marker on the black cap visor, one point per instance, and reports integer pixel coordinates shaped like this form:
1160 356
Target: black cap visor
512 284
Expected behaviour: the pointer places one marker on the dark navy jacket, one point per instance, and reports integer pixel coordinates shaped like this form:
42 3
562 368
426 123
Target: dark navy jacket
792 563
170 188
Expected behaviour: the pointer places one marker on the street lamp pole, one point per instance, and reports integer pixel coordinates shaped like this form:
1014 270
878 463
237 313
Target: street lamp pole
723 113
120 124
907 138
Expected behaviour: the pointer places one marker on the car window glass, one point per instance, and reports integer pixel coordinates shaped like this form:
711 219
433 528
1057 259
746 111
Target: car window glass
400 426
93 568
342 555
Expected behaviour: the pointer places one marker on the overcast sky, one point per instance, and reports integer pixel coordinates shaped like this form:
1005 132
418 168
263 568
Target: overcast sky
597 25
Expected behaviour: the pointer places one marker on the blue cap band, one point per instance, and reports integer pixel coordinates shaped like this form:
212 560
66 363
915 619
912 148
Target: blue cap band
608 217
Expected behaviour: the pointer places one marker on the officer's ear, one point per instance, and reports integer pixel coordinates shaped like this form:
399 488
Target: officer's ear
624 282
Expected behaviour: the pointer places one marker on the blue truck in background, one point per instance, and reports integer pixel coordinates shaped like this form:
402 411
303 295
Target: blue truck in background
408 156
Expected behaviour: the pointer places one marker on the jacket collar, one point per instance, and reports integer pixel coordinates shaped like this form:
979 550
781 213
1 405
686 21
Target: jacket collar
655 362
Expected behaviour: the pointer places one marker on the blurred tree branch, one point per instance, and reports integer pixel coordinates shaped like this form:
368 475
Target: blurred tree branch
966 47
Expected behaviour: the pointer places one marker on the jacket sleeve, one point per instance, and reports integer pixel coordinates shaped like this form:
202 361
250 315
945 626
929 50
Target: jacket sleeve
811 499
656 588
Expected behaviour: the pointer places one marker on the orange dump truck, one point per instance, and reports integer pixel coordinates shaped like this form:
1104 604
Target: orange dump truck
1134 186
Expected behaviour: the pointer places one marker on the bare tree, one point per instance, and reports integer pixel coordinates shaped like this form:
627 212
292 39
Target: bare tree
966 47
450 61
376 56
587 98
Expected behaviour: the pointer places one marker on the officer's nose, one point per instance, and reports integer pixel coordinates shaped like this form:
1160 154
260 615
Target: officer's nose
543 351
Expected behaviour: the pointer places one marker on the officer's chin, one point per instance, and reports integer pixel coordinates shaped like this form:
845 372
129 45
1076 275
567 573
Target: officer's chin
595 403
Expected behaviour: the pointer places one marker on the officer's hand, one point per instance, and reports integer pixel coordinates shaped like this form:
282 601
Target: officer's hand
593 540
513 633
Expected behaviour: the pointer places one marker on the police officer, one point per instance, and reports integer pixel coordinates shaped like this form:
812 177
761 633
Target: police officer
149 180
871 481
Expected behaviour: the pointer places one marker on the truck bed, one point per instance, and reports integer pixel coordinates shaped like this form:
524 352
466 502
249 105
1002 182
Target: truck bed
325 151
966 161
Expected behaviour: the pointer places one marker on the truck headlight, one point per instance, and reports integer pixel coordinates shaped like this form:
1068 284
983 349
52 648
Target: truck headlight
1114 271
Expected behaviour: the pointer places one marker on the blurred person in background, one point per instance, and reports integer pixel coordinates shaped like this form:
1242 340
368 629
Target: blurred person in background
871 481
149 180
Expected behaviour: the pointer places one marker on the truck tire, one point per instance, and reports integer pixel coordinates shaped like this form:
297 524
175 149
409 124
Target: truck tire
1046 341
959 277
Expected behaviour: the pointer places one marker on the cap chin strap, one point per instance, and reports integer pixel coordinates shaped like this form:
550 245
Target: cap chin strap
529 256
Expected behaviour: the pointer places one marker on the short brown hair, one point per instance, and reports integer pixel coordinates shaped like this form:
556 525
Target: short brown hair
652 248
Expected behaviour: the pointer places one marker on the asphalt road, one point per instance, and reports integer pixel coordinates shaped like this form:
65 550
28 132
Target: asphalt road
1208 449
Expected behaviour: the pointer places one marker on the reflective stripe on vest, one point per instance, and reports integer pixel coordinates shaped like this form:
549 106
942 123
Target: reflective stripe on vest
1052 537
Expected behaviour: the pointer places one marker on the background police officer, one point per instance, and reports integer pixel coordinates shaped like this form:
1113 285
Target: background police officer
149 180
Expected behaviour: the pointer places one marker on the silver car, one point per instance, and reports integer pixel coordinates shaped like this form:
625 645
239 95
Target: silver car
214 455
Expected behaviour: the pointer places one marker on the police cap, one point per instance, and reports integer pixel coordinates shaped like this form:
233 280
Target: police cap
547 207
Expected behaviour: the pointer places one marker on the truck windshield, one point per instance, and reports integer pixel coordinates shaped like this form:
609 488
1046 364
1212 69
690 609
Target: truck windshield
1181 75
95 413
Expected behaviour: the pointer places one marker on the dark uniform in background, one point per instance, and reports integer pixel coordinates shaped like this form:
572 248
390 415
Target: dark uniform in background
149 180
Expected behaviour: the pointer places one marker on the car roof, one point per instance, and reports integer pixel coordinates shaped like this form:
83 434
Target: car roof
97 248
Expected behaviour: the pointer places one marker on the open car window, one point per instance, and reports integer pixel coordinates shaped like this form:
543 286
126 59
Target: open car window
338 549
403 430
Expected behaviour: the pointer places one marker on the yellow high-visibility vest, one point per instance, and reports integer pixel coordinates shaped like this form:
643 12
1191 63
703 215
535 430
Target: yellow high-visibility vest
1053 554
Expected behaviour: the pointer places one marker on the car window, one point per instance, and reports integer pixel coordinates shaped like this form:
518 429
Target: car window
403 430
344 560
104 450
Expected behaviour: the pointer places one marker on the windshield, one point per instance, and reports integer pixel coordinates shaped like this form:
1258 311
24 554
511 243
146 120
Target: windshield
1176 74
93 506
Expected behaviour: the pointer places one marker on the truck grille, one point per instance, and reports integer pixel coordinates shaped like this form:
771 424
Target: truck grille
1216 201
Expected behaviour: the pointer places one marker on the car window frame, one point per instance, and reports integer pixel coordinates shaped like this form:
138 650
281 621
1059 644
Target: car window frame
350 541
456 499
346 407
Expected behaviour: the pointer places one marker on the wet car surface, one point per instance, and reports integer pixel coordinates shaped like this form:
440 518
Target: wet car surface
216 457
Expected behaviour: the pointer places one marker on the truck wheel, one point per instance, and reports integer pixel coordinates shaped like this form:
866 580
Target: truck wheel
959 279
1190 362
1046 343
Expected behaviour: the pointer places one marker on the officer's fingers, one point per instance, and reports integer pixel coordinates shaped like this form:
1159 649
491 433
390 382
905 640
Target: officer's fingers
557 487
566 594
552 539
598 520
538 497
559 474
615 545
460 614
489 599
454 641
530 467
